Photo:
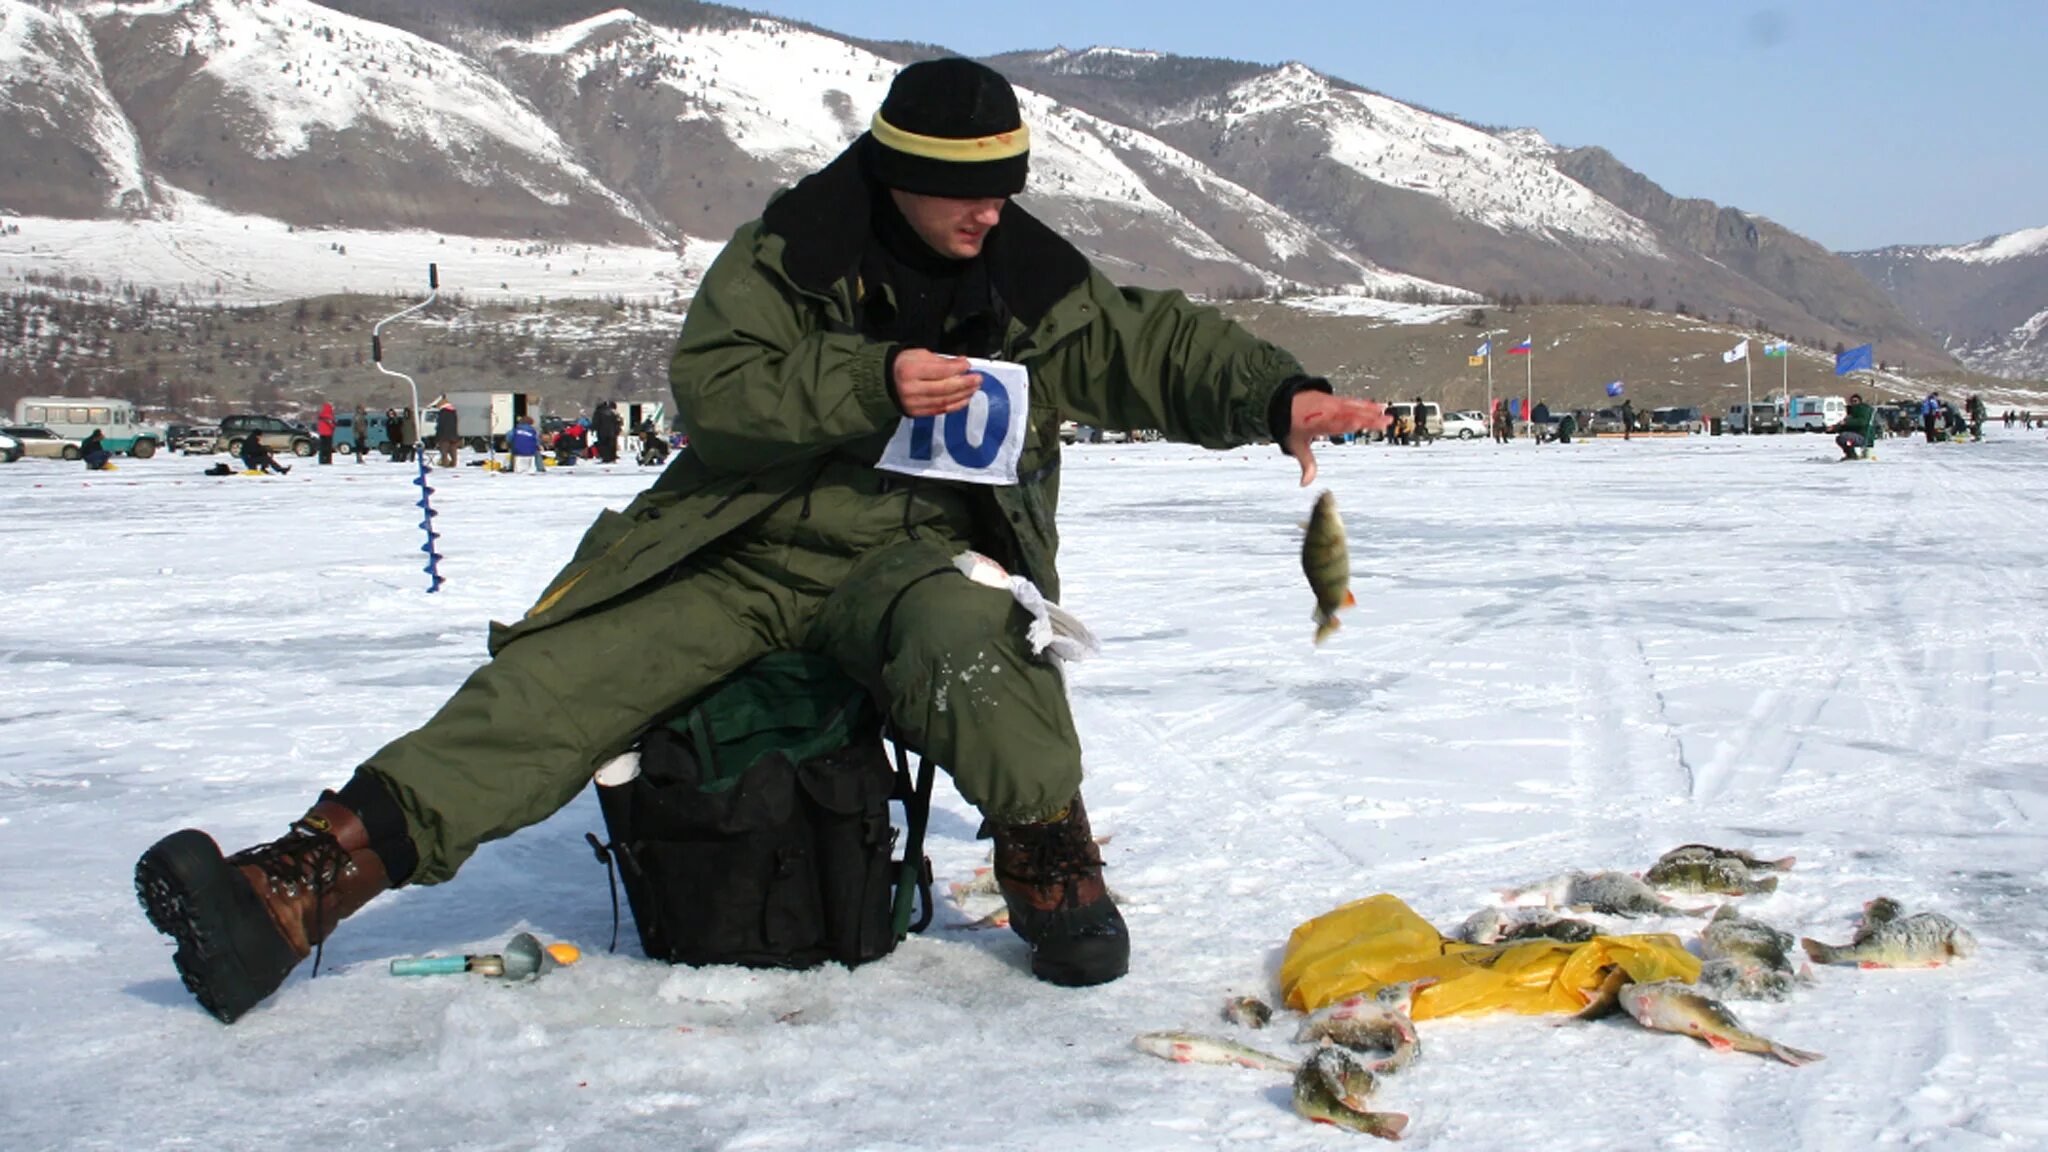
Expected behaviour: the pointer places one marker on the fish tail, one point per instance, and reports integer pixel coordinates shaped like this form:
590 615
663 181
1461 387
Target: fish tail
1326 624
1794 1056
1785 863
1821 953
1767 884
1385 1125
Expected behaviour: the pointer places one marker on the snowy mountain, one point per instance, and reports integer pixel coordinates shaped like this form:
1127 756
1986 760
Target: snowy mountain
1988 301
658 128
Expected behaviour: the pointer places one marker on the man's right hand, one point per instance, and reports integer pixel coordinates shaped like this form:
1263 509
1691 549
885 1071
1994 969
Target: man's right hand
928 384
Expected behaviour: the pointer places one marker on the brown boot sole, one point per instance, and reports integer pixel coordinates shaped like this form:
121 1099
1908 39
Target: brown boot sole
230 955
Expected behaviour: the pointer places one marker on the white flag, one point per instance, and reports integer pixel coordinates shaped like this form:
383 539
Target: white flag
1739 352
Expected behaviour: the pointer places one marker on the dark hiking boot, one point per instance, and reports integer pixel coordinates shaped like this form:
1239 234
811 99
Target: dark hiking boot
1051 879
243 922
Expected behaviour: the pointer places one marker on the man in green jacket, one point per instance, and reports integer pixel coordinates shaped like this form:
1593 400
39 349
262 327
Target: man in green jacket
1858 429
831 482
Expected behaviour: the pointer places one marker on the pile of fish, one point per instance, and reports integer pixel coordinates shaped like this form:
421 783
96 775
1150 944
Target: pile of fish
1358 1041
1741 958
1363 1039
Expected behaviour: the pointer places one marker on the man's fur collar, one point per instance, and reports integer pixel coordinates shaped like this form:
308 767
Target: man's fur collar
825 221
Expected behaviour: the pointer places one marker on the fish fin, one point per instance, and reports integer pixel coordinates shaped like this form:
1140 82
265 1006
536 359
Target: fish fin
1389 1125
1767 884
1869 965
1785 863
1350 601
1794 1056
1822 953
1719 1043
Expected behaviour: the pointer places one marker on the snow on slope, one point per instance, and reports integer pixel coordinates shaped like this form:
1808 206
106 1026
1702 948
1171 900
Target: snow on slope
190 248
2011 246
53 51
1493 181
301 69
797 98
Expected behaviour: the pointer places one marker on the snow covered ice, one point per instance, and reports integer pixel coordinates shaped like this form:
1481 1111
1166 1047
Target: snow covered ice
1563 657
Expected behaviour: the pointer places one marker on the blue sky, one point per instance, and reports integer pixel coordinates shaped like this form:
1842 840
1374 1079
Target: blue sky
1856 124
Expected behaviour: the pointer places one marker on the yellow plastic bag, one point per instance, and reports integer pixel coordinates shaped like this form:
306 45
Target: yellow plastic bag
1380 940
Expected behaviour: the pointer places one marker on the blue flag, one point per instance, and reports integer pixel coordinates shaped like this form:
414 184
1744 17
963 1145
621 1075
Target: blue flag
1614 389
1854 358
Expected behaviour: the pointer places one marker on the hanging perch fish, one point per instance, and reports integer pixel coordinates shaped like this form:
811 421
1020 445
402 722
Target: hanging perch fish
1326 561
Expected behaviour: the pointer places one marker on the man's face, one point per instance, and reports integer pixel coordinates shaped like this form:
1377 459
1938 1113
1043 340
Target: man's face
955 228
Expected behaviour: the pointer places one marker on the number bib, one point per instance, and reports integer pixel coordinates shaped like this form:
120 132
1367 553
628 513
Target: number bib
979 443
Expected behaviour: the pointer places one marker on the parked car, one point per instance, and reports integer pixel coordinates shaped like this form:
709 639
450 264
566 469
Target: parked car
193 439
1898 419
1604 421
40 442
277 435
10 449
1768 417
1467 425
1677 420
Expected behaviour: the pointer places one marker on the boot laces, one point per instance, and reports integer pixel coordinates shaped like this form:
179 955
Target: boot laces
304 858
1061 855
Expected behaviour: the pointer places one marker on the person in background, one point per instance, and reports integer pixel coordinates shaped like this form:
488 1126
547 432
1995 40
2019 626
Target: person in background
1974 406
1858 429
256 456
448 435
360 433
525 444
1931 417
1628 419
408 434
323 427
93 450
1421 422
604 431
653 449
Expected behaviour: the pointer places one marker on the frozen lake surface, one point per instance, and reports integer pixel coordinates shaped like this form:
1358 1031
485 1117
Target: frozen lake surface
1571 657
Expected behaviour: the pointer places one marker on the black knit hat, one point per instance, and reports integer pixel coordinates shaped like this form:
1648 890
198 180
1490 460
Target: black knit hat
950 128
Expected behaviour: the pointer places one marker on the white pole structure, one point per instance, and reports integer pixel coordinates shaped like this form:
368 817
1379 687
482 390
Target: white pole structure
1748 401
1529 384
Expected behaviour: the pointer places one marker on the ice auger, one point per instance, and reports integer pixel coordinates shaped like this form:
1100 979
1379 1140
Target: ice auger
426 505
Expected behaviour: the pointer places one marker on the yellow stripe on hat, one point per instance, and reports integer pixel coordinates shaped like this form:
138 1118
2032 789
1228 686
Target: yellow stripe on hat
1000 146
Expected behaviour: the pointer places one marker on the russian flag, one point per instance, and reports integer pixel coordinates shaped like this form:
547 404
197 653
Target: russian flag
1521 349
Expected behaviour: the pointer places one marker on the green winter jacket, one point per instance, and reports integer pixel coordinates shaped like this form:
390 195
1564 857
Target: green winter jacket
1862 420
772 378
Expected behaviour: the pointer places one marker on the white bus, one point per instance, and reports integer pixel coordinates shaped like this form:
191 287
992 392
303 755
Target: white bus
77 416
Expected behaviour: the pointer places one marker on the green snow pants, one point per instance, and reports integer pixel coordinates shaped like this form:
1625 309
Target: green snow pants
946 657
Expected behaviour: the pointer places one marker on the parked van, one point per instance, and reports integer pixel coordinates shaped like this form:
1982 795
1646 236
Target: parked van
1761 417
76 417
374 435
1815 413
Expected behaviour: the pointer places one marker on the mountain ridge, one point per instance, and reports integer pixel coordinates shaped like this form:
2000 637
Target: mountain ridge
598 124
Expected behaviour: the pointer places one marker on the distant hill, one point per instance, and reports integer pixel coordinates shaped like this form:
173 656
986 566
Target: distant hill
643 133
1987 302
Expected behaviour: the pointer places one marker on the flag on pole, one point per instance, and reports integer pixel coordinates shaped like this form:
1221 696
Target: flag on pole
1521 349
1739 352
1777 348
1485 347
1854 358
1614 389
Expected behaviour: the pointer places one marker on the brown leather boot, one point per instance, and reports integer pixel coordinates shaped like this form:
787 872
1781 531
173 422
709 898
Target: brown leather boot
244 922
1050 875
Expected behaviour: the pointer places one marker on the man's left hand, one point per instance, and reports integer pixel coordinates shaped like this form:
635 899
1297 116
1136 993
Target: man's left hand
1321 414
